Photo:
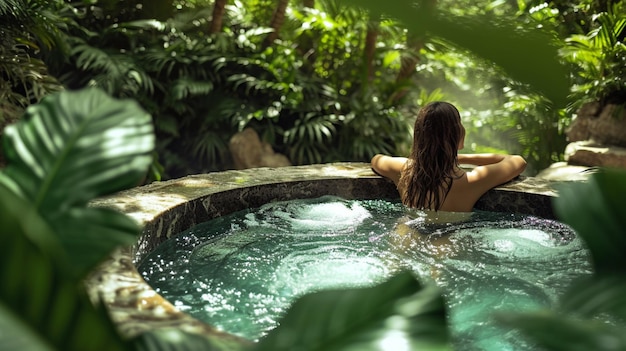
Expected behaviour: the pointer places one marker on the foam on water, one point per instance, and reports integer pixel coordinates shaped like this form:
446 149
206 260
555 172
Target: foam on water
241 272
332 215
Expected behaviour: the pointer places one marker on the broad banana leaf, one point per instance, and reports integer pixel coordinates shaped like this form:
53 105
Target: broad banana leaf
41 302
558 332
397 312
170 339
597 296
69 149
592 313
596 211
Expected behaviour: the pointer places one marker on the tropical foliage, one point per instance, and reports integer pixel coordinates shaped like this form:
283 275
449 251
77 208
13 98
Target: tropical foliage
202 88
27 30
65 151
77 145
321 81
599 58
361 319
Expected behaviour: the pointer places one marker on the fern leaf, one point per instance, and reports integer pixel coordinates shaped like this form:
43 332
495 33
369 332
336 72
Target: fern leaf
186 87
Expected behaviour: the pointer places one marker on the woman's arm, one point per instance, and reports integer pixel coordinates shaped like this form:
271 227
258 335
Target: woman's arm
388 166
493 169
480 159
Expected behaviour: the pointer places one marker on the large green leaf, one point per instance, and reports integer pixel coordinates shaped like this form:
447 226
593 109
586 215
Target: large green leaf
75 146
70 148
90 234
599 295
38 295
16 335
596 211
170 339
591 317
526 54
593 311
556 332
396 312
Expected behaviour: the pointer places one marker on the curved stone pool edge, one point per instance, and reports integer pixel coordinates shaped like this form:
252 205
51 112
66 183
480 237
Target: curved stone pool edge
169 207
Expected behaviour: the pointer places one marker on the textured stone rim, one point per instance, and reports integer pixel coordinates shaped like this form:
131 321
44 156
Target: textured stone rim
166 208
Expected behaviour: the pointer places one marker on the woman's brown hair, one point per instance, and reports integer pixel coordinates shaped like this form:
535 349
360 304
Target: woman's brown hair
428 176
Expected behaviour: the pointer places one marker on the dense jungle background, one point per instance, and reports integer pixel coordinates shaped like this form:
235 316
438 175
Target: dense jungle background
318 80
94 92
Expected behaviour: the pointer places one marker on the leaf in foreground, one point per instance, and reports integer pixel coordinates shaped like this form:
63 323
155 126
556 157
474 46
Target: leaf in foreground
69 149
526 55
560 333
170 339
75 146
397 314
600 296
596 211
38 291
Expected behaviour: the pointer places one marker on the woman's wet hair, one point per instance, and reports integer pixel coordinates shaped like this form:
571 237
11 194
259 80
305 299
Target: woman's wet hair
433 161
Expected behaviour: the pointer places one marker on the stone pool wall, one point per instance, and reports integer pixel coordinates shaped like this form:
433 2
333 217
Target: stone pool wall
166 208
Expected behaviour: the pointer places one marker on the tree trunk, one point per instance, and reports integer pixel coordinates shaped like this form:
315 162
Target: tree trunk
371 38
218 16
277 21
306 42
410 60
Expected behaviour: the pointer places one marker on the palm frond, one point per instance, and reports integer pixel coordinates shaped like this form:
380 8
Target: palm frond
303 153
611 26
187 87
92 58
12 8
116 73
312 129
251 84
208 148
188 21
147 24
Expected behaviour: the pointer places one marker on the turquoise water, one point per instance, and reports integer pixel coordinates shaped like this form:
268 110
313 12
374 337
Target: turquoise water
240 272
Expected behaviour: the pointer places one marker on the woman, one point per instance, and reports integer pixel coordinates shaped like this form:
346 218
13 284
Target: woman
431 178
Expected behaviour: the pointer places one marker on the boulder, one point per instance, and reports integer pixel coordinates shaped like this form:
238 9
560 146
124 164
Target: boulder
602 125
597 136
561 171
590 153
248 151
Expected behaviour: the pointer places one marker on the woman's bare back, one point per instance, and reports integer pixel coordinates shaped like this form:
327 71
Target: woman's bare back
490 170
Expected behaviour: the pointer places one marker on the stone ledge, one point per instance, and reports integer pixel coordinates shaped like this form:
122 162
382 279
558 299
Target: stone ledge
589 153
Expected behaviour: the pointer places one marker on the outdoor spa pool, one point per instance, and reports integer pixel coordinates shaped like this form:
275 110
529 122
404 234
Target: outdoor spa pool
239 272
